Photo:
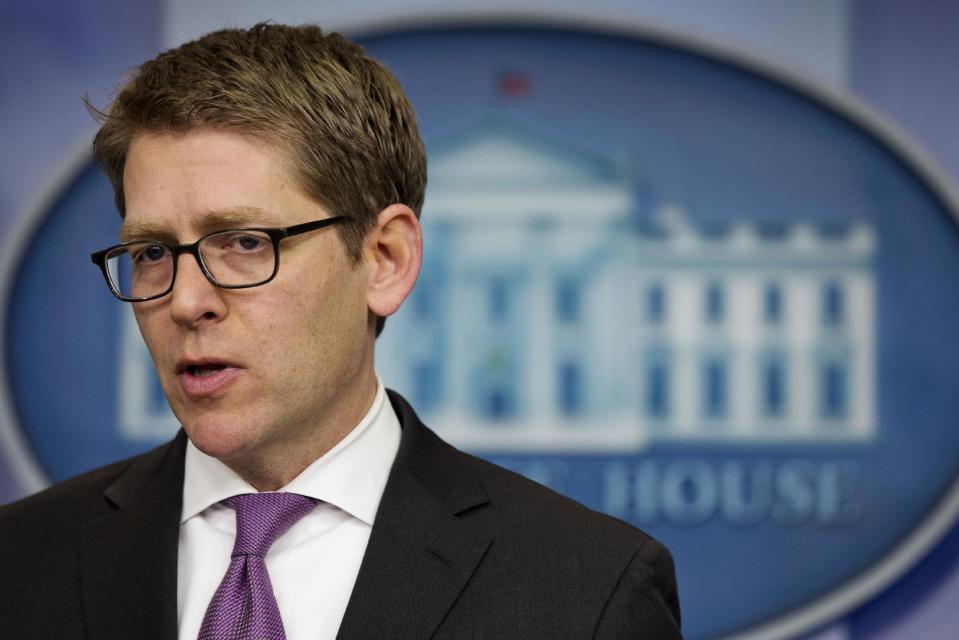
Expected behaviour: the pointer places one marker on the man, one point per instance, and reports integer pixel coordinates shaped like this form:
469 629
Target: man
270 182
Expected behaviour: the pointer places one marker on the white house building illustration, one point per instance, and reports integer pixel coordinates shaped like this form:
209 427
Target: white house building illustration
553 313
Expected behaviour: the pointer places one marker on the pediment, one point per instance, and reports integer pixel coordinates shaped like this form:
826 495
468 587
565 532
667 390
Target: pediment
500 155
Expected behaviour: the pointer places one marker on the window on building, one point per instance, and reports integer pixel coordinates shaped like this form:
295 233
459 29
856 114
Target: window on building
567 301
570 389
426 381
715 383
498 300
773 304
833 303
500 404
422 300
655 303
657 386
773 385
714 303
833 390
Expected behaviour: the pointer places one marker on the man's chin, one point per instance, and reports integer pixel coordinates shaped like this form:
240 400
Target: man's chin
223 440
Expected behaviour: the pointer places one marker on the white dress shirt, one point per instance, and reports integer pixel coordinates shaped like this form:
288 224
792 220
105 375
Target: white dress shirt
313 566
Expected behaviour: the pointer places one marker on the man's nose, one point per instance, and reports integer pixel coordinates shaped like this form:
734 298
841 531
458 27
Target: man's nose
194 298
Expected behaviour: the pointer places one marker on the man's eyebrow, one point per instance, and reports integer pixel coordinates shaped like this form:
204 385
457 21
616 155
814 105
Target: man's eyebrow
142 231
208 221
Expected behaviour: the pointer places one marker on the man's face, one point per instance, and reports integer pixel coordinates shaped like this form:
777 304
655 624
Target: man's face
260 372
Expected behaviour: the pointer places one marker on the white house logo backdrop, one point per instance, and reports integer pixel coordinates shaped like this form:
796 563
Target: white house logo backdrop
679 292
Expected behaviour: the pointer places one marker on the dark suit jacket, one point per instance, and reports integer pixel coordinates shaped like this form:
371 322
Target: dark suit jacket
460 549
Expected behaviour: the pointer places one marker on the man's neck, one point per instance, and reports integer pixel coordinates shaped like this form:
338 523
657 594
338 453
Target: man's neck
274 467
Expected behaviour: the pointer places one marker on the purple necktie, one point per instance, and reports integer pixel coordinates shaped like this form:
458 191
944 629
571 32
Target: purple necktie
244 607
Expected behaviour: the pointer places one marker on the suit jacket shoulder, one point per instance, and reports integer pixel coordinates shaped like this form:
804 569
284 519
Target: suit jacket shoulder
76 564
600 564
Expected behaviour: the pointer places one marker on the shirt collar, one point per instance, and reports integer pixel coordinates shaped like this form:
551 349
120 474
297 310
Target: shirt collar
351 476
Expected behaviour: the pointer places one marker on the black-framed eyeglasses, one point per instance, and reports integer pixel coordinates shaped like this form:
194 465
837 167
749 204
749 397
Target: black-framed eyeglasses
230 259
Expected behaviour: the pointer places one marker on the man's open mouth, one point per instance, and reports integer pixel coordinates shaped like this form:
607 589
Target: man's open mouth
202 370
203 378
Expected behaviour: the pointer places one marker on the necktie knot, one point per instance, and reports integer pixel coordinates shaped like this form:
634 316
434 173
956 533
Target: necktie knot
261 518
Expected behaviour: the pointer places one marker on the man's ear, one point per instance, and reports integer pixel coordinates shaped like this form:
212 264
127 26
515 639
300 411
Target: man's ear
393 250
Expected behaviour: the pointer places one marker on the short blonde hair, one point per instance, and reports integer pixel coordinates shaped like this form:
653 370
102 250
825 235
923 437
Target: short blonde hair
344 120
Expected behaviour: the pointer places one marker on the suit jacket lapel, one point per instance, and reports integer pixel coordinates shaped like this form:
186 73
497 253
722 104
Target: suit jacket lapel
129 557
420 555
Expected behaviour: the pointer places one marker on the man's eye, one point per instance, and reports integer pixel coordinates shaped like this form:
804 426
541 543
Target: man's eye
246 242
150 253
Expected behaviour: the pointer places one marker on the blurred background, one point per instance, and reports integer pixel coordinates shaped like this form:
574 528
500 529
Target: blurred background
692 263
